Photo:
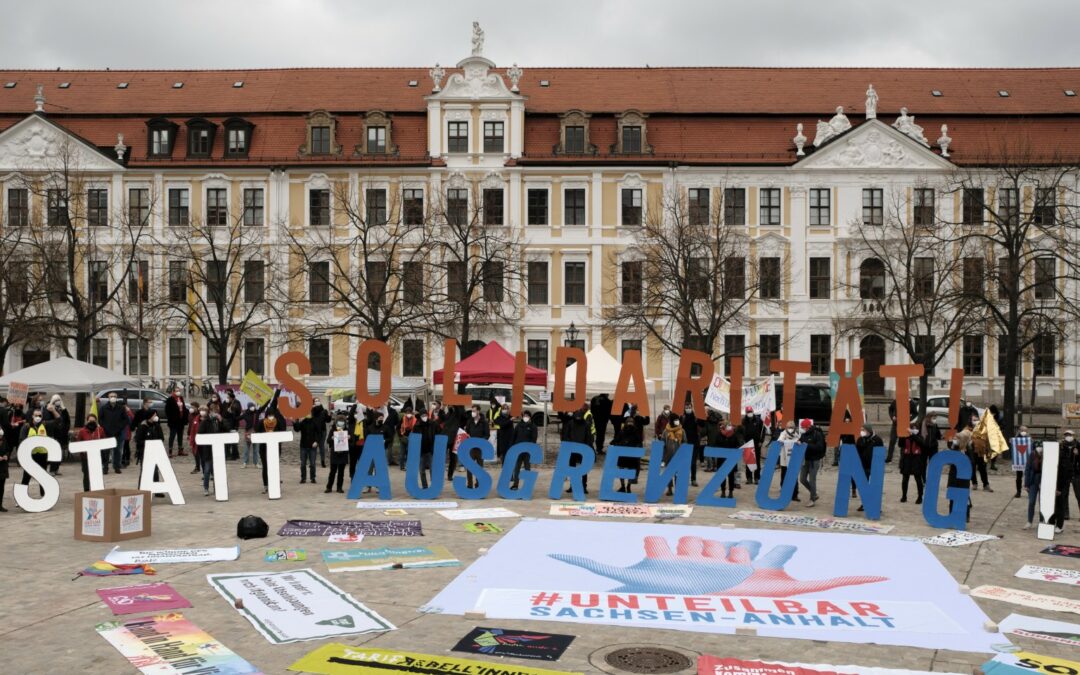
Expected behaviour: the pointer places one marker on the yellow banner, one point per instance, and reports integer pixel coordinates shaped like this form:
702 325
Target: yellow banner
987 437
1032 663
339 659
258 390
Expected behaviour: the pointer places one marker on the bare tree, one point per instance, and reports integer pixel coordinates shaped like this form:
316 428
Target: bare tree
24 312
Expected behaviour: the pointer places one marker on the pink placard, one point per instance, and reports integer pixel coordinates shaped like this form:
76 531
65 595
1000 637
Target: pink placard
155 597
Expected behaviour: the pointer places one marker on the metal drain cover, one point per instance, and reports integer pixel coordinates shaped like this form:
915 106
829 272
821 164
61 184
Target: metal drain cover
648 660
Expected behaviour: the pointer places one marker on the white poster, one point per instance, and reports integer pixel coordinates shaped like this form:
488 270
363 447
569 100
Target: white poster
479 514
131 513
715 665
93 516
957 538
611 510
341 441
347 538
406 505
297 605
171 555
1018 597
761 396
1041 629
1054 574
790 584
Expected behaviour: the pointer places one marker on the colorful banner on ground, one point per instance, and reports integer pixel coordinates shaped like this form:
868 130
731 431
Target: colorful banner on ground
1018 597
350 538
714 665
883 590
1020 663
172 555
1041 629
609 510
296 606
169 644
957 538
483 528
407 505
107 569
1054 574
142 598
256 388
836 524
339 659
514 643
479 514
362 560
285 555
761 396
368 528
1063 550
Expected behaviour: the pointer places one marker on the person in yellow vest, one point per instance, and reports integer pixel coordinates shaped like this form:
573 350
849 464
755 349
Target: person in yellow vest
37 427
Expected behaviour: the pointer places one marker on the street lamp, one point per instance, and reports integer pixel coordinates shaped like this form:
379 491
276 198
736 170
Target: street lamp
571 335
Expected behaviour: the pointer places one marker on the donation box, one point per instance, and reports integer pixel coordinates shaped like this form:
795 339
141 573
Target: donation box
112 515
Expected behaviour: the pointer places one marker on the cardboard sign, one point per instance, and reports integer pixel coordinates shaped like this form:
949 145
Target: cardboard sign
168 644
362 560
483 528
141 598
285 554
341 441
514 643
339 659
256 388
17 393
112 515
1054 574
369 528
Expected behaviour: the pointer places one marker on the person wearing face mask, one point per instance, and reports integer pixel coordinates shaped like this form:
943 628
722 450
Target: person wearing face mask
504 436
600 407
193 430
231 412
1072 449
56 413
729 438
710 435
269 423
149 429
476 427
1020 450
209 423
339 454
523 432
425 428
579 430
90 431
788 438
912 462
631 435
753 430
865 445
1032 481
674 436
662 421
309 446
36 426
815 452
176 416
692 434
114 418
978 451
320 420
391 422
931 434
247 424
408 422
1064 482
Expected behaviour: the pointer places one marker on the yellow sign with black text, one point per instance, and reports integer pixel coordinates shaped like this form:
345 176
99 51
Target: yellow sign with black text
339 659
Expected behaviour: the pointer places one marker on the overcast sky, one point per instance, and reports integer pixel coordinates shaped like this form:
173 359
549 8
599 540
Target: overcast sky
275 33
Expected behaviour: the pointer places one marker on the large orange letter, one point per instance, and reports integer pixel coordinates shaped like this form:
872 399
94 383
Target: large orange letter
559 402
631 370
736 389
695 385
847 398
902 371
363 396
290 383
956 390
449 391
517 397
790 370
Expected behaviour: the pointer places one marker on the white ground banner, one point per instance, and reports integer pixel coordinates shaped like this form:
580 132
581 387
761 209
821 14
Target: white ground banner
813 522
1054 574
479 514
957 538
1041 629
1026 599
297 605
171 555
406 505
883 590
608 510
715 665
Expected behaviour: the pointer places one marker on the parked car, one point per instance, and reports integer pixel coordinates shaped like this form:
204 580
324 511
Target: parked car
812 401
347 403
940 406
134 398
482 393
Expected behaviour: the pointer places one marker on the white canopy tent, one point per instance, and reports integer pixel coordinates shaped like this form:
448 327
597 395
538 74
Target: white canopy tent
602 375
344 384
66 375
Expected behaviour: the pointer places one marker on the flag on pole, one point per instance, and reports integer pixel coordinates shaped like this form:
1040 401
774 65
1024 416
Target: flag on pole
93 406
749 457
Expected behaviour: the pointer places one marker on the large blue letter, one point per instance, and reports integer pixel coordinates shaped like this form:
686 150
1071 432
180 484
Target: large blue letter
412 468
791 477
612 471
957 518
482 479
731 457
373 456
536 457
678 469
575 474
870 488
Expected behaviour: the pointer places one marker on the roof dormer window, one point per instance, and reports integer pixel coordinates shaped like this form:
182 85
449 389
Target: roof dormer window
321 135
161 135
574 134
631 138
200 137
237 137
378 135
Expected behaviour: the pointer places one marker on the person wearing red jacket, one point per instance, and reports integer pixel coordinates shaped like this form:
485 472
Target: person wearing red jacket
91 431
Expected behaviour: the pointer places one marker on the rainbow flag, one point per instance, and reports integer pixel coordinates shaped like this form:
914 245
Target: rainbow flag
104 569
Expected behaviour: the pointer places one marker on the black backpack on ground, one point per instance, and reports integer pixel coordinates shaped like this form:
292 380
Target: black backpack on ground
252 527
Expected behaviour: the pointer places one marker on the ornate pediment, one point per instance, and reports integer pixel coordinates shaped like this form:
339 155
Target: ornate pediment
36 144
874 145
476 81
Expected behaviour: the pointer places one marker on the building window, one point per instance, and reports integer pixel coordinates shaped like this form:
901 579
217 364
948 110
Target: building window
217 207
178 281
873 206
138 207
1045 278
974 274
1002 354
18 207
320 140
820 206
697 278
1009 206
872 279
412 358
56 203
768 350
973 355
769 279
631 139
99 352
972 206
734 345
735 206
820 278
770 206
1045 356
574 140
319 282
319 355
574 283
412 281
375 203
56 283
217 281
319 207
538 282
159 143
179 213
254 281
456 286
631 282
254 355
1007 279
138 356
575 206
537 206
413 206
457 139
199 139
493 206
493 136
178 356
139 281
457 206
1045 210
699 206
537 351
98 281
925 352
922 209
376 140
631 207
253 207
237 141
97 208
735 277
493 281
628 346
923 278
820 353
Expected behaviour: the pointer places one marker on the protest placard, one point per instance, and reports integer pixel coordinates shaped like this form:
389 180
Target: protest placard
1021 663
609 510
483 528
362 560
957 538
479 514
837 524
1063 550
339 659
17 393
168 644
285 554
1018 597
172 555
714 665
1041 629
514 643
368 528
1054 574
350 538
156 597
256 388
760 396
407 505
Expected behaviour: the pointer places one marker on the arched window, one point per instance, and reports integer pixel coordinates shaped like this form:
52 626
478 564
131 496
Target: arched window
872 279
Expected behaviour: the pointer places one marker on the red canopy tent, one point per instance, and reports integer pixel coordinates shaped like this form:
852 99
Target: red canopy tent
492 365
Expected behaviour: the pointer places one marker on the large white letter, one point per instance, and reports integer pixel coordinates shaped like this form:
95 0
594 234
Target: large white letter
217 443
273 441
38 473
155 457
93 450
1047 489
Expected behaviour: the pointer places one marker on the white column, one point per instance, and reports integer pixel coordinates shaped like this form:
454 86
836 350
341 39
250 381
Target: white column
434 128
515 200
517 128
